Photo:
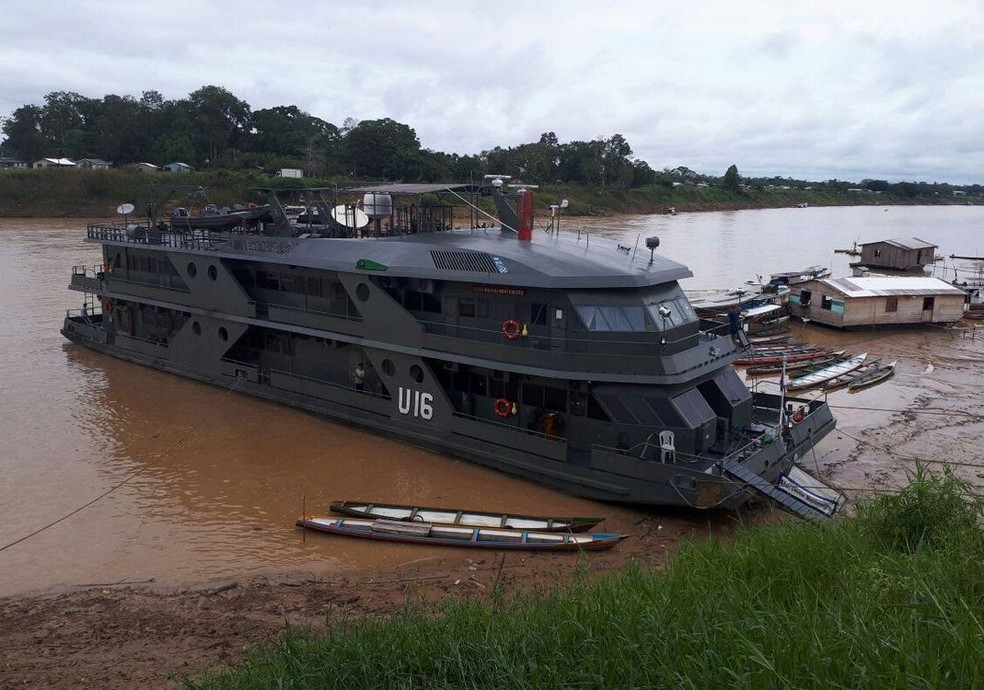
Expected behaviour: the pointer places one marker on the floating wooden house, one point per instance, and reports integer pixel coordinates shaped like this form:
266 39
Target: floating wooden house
877 301
901 254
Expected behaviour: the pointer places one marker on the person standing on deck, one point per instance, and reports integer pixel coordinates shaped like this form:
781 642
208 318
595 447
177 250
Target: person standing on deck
734 321
360 377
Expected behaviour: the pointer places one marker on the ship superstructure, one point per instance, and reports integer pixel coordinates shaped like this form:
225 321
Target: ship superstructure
561 357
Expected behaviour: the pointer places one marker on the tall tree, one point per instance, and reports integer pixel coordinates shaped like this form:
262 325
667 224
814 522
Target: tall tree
732 181
23 131
221 119
381 149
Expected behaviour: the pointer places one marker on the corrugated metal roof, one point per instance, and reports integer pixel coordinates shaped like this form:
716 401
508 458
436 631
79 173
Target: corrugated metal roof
875 286
904 243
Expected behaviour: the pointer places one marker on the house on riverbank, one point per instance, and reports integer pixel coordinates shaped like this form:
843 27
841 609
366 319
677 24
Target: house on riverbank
900 254
877 301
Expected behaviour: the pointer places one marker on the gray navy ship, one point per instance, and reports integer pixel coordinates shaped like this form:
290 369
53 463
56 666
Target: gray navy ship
557 356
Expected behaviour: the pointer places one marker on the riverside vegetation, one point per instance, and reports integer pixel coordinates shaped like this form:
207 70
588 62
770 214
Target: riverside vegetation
891 599
50 193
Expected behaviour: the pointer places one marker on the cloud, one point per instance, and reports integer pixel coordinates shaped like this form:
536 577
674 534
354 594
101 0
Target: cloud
831 89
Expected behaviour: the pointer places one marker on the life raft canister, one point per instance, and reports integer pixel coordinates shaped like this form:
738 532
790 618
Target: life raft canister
511 329
502 407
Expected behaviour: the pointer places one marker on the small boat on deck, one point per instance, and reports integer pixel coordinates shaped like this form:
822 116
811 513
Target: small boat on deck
815 378
452 535
462 518
871 378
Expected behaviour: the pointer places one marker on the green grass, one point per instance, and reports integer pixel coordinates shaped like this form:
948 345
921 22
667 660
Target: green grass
892 599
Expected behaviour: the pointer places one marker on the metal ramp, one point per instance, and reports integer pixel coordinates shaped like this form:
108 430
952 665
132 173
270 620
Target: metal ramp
796 491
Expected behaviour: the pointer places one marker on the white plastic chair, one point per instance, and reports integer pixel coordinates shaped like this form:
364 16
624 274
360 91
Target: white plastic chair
666 447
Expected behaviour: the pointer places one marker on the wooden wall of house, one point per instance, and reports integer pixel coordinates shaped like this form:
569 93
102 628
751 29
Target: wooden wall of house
848 312
890 256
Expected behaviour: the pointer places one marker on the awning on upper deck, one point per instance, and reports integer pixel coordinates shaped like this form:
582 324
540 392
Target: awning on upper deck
413 189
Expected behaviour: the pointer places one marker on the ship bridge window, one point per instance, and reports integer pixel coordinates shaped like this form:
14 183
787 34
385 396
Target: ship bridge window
613 318
669 313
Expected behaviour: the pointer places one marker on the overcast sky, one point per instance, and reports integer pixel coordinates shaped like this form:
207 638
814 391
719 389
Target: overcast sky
810 90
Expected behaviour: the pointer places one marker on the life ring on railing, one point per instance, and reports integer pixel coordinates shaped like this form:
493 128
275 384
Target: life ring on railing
511 329
108 307
502 407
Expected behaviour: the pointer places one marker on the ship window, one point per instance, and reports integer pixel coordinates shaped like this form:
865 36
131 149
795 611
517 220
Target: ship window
272 281
287 283
192 270
539 314
416 373
504 389
466 307
362 292
223 333
928 303
483 309
314 287
613 318
595 410
213 273
388 368
805 297
826 302
891 304
196 328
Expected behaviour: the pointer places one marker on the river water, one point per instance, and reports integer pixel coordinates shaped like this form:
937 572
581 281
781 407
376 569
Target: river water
146 475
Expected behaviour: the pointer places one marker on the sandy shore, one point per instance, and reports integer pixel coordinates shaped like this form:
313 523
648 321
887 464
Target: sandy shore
151 635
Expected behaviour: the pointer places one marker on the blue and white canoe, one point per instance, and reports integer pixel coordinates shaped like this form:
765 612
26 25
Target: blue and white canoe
451 535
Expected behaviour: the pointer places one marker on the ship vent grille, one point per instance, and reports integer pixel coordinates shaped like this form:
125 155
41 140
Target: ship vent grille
476 262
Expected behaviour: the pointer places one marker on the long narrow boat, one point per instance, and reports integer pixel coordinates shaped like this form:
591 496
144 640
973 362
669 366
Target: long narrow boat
451 535
851 376
462 518
815 378
871 378
803 367
776 358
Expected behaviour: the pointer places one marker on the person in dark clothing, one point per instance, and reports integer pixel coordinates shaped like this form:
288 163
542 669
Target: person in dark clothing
734 321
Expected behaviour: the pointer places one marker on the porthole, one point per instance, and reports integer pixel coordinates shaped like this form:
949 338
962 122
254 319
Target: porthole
192 269
416 373
196 328
213 273
223 333
388 367
362 292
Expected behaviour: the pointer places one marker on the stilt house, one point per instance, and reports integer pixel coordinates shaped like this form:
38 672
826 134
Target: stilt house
901 254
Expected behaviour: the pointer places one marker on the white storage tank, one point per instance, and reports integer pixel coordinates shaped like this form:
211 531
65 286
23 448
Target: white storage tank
377 205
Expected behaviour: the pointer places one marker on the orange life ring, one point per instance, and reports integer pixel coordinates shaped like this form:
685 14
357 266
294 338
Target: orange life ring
502 407
108 307
511 329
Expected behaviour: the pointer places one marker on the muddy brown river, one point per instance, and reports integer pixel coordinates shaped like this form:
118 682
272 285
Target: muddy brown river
112 472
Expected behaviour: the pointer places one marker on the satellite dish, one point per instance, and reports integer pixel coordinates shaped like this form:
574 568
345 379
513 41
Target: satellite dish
350 216
124 209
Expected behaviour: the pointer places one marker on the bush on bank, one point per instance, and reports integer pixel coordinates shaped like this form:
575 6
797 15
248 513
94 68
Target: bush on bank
893 598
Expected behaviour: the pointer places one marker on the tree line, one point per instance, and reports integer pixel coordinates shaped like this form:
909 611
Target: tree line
212 128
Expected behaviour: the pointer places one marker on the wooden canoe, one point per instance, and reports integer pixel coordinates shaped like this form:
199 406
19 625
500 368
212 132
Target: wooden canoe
776 358
452 535
871 378
851 376
805 366
815 378
463 518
